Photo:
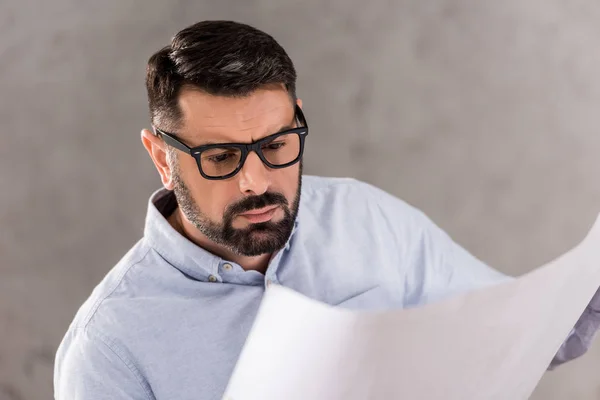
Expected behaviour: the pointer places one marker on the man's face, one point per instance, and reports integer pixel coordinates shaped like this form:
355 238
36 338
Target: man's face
230 212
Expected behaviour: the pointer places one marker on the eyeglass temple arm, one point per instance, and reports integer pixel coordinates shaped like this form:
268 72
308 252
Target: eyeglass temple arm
171 141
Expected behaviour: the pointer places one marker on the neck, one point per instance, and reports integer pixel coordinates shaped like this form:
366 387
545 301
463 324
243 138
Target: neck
185 228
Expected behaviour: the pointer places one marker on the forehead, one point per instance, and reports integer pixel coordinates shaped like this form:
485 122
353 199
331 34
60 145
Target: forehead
218 119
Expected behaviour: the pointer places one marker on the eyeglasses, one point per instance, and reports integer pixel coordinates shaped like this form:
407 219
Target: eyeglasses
224 160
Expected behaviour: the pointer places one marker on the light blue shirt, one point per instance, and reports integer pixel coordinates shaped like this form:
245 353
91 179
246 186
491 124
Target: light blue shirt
170 319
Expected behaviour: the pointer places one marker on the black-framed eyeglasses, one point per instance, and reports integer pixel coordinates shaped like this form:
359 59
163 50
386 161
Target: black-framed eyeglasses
224 160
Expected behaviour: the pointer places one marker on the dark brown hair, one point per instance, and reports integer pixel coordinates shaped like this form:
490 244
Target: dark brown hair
218 57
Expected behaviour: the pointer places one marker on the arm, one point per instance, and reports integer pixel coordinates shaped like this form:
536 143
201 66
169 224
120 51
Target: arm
435 267
442 268
89 367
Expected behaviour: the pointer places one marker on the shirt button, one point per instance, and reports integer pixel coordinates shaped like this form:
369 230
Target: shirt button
227 267
212 278
269 282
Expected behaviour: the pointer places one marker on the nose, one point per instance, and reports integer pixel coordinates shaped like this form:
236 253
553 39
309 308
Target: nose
254 176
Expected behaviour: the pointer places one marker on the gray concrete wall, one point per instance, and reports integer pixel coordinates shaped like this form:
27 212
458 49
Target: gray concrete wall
485 114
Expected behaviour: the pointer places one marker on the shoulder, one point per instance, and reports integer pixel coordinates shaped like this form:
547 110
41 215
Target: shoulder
346 204
90 363
120 280
320 184
352 195
93 337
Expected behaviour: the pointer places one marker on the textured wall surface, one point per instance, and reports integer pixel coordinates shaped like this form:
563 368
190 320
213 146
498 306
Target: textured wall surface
483 114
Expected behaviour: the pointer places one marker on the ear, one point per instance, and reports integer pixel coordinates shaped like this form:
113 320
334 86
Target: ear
157 149
299 102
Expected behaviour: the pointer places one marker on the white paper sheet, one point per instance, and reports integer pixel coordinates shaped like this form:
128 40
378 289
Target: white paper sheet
494 343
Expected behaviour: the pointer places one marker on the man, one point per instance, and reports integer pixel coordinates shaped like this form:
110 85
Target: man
235 216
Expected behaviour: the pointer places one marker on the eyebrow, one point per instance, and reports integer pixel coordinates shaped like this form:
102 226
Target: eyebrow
284 128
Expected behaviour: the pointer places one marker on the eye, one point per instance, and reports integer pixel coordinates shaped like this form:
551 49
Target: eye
274 146
220 158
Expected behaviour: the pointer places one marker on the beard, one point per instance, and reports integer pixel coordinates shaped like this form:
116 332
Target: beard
253 240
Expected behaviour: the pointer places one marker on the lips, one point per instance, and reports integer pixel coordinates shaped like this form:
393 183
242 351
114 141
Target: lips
260 215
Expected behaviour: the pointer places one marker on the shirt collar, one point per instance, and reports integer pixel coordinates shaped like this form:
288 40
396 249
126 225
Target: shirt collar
187 256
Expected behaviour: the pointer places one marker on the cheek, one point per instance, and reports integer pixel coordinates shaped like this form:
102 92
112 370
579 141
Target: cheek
208 195
287 182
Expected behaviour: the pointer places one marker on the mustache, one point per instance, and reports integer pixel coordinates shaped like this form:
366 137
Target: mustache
256 202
